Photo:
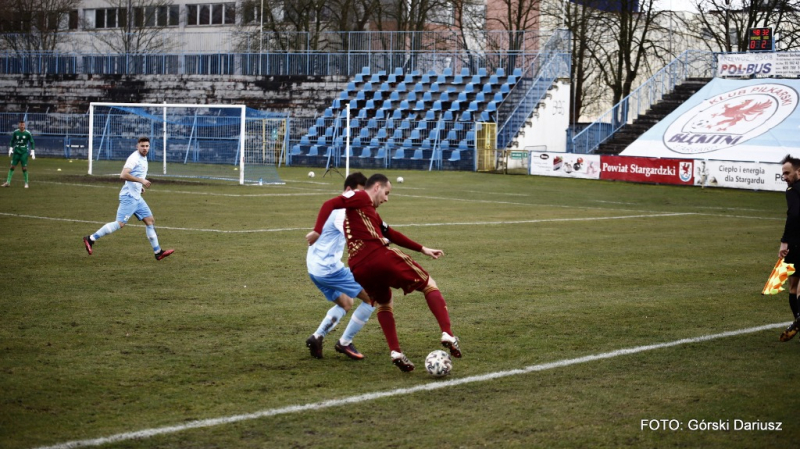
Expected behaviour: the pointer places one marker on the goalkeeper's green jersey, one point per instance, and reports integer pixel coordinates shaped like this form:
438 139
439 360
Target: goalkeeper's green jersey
20 140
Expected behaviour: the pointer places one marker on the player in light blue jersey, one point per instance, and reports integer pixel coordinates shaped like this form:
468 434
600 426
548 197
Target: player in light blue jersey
336 282
131 203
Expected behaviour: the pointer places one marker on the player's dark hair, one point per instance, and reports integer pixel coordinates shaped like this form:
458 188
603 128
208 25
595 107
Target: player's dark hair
143 139
354 180
792 160
376 178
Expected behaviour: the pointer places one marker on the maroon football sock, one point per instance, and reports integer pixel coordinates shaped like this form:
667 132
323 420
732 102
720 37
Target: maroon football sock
386 320
438 306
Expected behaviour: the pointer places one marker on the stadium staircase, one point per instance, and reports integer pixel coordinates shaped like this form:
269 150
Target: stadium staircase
657 112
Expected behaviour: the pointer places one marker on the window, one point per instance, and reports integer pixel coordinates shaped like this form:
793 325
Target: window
73 20
156 16
106 18
211 14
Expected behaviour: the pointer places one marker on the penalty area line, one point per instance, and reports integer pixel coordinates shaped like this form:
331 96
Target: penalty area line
434 385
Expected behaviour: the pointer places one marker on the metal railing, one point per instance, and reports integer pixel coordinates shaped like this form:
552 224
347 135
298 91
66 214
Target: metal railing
253 53
690 64
539 74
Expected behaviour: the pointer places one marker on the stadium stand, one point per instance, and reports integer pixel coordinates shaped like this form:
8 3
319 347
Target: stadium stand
408 120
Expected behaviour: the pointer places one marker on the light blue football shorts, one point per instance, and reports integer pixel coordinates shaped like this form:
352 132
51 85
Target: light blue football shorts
333 285
129 207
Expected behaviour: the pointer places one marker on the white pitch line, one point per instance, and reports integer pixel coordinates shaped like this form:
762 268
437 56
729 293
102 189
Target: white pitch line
434 385
473 223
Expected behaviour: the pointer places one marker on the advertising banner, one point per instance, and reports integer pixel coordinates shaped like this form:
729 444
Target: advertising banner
739 175
783 64
566 165
741 120
641 169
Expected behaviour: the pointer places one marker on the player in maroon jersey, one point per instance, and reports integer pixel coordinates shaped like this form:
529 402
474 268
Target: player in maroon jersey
379 268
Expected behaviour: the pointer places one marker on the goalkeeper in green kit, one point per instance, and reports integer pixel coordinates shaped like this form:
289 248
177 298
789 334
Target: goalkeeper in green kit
18 151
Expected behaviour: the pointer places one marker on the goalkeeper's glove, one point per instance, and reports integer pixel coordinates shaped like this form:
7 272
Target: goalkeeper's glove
10 151
33 156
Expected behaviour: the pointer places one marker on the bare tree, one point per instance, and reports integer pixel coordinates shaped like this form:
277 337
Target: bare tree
627 46
139 27
722 25
33 25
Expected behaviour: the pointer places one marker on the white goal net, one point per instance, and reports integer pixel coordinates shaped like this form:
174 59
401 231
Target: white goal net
228 142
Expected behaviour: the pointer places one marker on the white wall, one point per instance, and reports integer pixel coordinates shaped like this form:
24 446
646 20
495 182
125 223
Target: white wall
549 122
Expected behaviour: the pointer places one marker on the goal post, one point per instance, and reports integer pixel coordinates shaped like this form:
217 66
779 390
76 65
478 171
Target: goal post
212 141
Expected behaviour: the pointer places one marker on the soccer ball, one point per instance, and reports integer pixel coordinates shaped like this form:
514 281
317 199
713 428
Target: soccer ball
311 174
399 179
438 363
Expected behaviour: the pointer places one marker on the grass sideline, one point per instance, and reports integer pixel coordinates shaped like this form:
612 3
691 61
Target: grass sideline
536 270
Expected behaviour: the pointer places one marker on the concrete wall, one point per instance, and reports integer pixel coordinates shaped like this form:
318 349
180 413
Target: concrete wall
300 96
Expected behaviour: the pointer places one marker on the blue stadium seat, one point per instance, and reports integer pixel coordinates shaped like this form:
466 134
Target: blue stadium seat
498 97
464 72
420 106
385 87
364 133
482 72
404 106
517 72
437 106
382 134
426 78
415 135
372 123
441 79
417 154
419 87
455 106
434 87
357 142
505 88
296 151
448 116
462 97
365 152
494 80
447 72
399 154
381 154
312 131
430 115
397 115
500 72
511 80
491 107
486 116
427 97
487 88
400 87
455 156
473 107
458 80
394 96
470 88
405 124
476 80
481 97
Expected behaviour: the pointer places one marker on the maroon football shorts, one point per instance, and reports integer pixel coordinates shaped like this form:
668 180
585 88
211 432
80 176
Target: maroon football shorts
388 268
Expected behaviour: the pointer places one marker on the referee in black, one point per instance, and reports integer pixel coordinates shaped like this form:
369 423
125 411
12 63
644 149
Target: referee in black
790 242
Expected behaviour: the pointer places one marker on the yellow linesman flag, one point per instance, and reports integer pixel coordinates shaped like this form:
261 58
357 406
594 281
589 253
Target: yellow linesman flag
779 274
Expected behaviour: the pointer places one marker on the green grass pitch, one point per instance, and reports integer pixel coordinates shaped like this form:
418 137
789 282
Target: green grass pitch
536 271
